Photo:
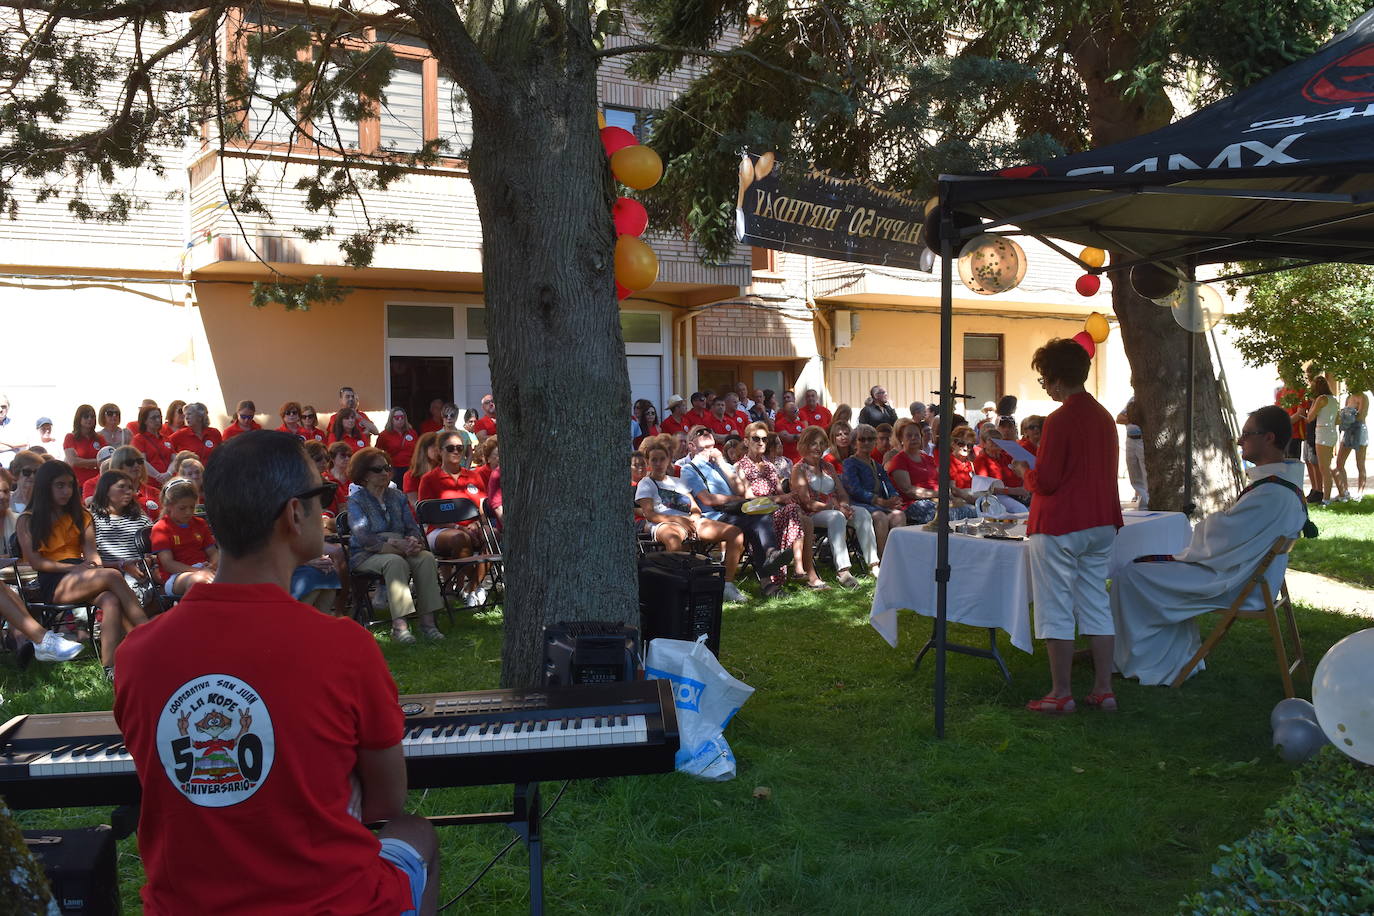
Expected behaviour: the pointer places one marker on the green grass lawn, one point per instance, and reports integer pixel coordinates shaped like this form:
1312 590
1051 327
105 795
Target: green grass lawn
868 813
1344 549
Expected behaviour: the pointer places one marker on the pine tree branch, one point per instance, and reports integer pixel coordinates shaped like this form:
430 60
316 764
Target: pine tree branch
137 10
447 36
732 54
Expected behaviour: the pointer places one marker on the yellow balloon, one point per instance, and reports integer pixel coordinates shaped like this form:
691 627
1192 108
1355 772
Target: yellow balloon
600 121
1097 327
1093 257
636 265
637 167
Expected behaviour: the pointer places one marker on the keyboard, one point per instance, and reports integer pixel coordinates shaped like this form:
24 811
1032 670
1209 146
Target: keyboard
482 737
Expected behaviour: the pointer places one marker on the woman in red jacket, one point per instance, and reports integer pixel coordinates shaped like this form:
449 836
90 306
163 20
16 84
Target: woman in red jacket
1073 521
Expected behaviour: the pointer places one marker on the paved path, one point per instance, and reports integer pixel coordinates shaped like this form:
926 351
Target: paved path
1319 591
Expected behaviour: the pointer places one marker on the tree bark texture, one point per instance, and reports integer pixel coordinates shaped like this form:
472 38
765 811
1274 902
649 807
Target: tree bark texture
1156 347
557 356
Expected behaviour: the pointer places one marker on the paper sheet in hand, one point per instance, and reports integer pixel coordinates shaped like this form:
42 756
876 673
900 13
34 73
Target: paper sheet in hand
1016 451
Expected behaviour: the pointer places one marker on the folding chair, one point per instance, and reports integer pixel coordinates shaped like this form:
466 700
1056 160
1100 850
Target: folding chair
358 584
52 615
1270 613
148 564
459 510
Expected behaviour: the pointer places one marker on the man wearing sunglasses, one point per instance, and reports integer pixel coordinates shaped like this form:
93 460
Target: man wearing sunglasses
265 733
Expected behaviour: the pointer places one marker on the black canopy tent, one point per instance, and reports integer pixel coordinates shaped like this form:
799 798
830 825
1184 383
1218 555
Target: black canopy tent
1283 169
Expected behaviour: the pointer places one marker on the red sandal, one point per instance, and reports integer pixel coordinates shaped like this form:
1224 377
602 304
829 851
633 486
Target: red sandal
1052 706
1103 701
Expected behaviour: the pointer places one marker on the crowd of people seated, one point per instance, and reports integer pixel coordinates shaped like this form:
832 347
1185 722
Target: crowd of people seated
81 515
826 477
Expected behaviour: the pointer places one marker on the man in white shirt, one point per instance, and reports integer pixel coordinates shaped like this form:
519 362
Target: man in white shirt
1156 602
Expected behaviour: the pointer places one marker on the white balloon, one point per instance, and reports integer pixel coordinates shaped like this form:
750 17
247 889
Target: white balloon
1292 708
1343 693
1298 739
1197 307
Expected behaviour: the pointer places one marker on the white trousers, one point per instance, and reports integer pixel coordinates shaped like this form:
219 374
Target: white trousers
834 522
1068 575
1135 469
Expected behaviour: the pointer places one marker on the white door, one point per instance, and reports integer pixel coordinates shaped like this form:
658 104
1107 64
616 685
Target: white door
478 379
646 379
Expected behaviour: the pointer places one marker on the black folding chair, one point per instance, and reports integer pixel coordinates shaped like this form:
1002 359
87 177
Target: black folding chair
148 565
62 618
462 511
358 583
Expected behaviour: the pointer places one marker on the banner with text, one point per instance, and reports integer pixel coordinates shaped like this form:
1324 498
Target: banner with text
817 213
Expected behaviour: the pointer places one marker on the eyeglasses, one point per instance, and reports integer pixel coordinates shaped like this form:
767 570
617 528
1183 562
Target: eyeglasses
325 493
379 469
111 413
1246 433
27 472
453 448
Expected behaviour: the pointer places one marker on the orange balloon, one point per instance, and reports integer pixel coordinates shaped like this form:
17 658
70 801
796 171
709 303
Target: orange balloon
636 265
600 121
1097 327
637 167
1093 257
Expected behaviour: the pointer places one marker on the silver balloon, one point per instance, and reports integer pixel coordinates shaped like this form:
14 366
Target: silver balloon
1298 739
1292 708
1196 307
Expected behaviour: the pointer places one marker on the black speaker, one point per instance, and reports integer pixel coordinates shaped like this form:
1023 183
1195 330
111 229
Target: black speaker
80 865
590 652
680 597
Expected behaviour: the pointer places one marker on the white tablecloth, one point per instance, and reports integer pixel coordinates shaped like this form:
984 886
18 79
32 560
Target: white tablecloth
989 584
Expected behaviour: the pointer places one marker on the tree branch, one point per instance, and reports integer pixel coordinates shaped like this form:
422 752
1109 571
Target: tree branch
138 10
449 39
733 54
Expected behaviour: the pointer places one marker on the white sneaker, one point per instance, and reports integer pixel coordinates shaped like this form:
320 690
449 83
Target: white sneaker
54 648
477 597
732 593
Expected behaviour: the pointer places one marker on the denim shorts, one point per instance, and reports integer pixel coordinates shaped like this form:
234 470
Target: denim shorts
403 856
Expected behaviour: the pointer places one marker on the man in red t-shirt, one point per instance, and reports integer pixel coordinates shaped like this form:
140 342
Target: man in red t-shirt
676 416
813 412
486 423
789 425
741 417
721 423
261 760
698 415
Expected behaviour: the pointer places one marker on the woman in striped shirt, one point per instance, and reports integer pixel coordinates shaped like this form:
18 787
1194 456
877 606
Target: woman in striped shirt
119 522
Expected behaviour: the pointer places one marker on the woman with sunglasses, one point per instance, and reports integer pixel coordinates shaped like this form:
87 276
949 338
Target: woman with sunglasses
82 444
176 419
57 539
110 431
398 441
1074 517
761 478
310 425
870 487
387 541
244 420
290 414
454 479
23 467
821 495
917 478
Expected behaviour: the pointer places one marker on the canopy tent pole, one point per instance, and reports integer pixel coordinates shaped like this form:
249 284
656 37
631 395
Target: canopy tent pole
1189 507
948 233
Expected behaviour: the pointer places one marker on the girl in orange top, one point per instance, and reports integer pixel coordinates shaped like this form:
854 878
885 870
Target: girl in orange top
57 539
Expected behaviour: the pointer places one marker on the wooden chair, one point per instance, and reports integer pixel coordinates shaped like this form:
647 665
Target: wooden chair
1270 612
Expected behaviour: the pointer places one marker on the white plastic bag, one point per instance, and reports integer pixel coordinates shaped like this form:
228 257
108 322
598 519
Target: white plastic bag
706 697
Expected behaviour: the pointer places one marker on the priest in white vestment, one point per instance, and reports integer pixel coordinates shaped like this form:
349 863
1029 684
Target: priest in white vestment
1156 604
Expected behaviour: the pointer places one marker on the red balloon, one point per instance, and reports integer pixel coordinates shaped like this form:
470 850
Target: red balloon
616 138
622 292
629 216
1085 340
1088 285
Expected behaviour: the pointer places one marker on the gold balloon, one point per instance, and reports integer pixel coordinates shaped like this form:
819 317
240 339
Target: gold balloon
765 165
637 167
1093 257
991 264
1097 327
636 265
600 121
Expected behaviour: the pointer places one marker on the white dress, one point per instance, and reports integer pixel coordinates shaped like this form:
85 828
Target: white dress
1328 422
1156 605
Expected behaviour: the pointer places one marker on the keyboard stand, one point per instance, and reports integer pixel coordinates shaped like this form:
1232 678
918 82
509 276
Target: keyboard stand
525 819
990 652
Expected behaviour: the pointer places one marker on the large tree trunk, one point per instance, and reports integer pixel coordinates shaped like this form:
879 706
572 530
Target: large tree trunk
557 357
1156 347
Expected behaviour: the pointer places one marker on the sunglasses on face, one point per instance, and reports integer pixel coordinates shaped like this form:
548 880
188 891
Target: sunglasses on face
111 413
325 493
245 416
379 469
453 448
759 438
293 413
27 472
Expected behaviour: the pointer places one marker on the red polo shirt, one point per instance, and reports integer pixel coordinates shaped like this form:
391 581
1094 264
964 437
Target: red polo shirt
485 425
923 473
695 417
440 484
399 447
674 425
792 427
998 468
727 425
185 439
815 416
1074 478
233 429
